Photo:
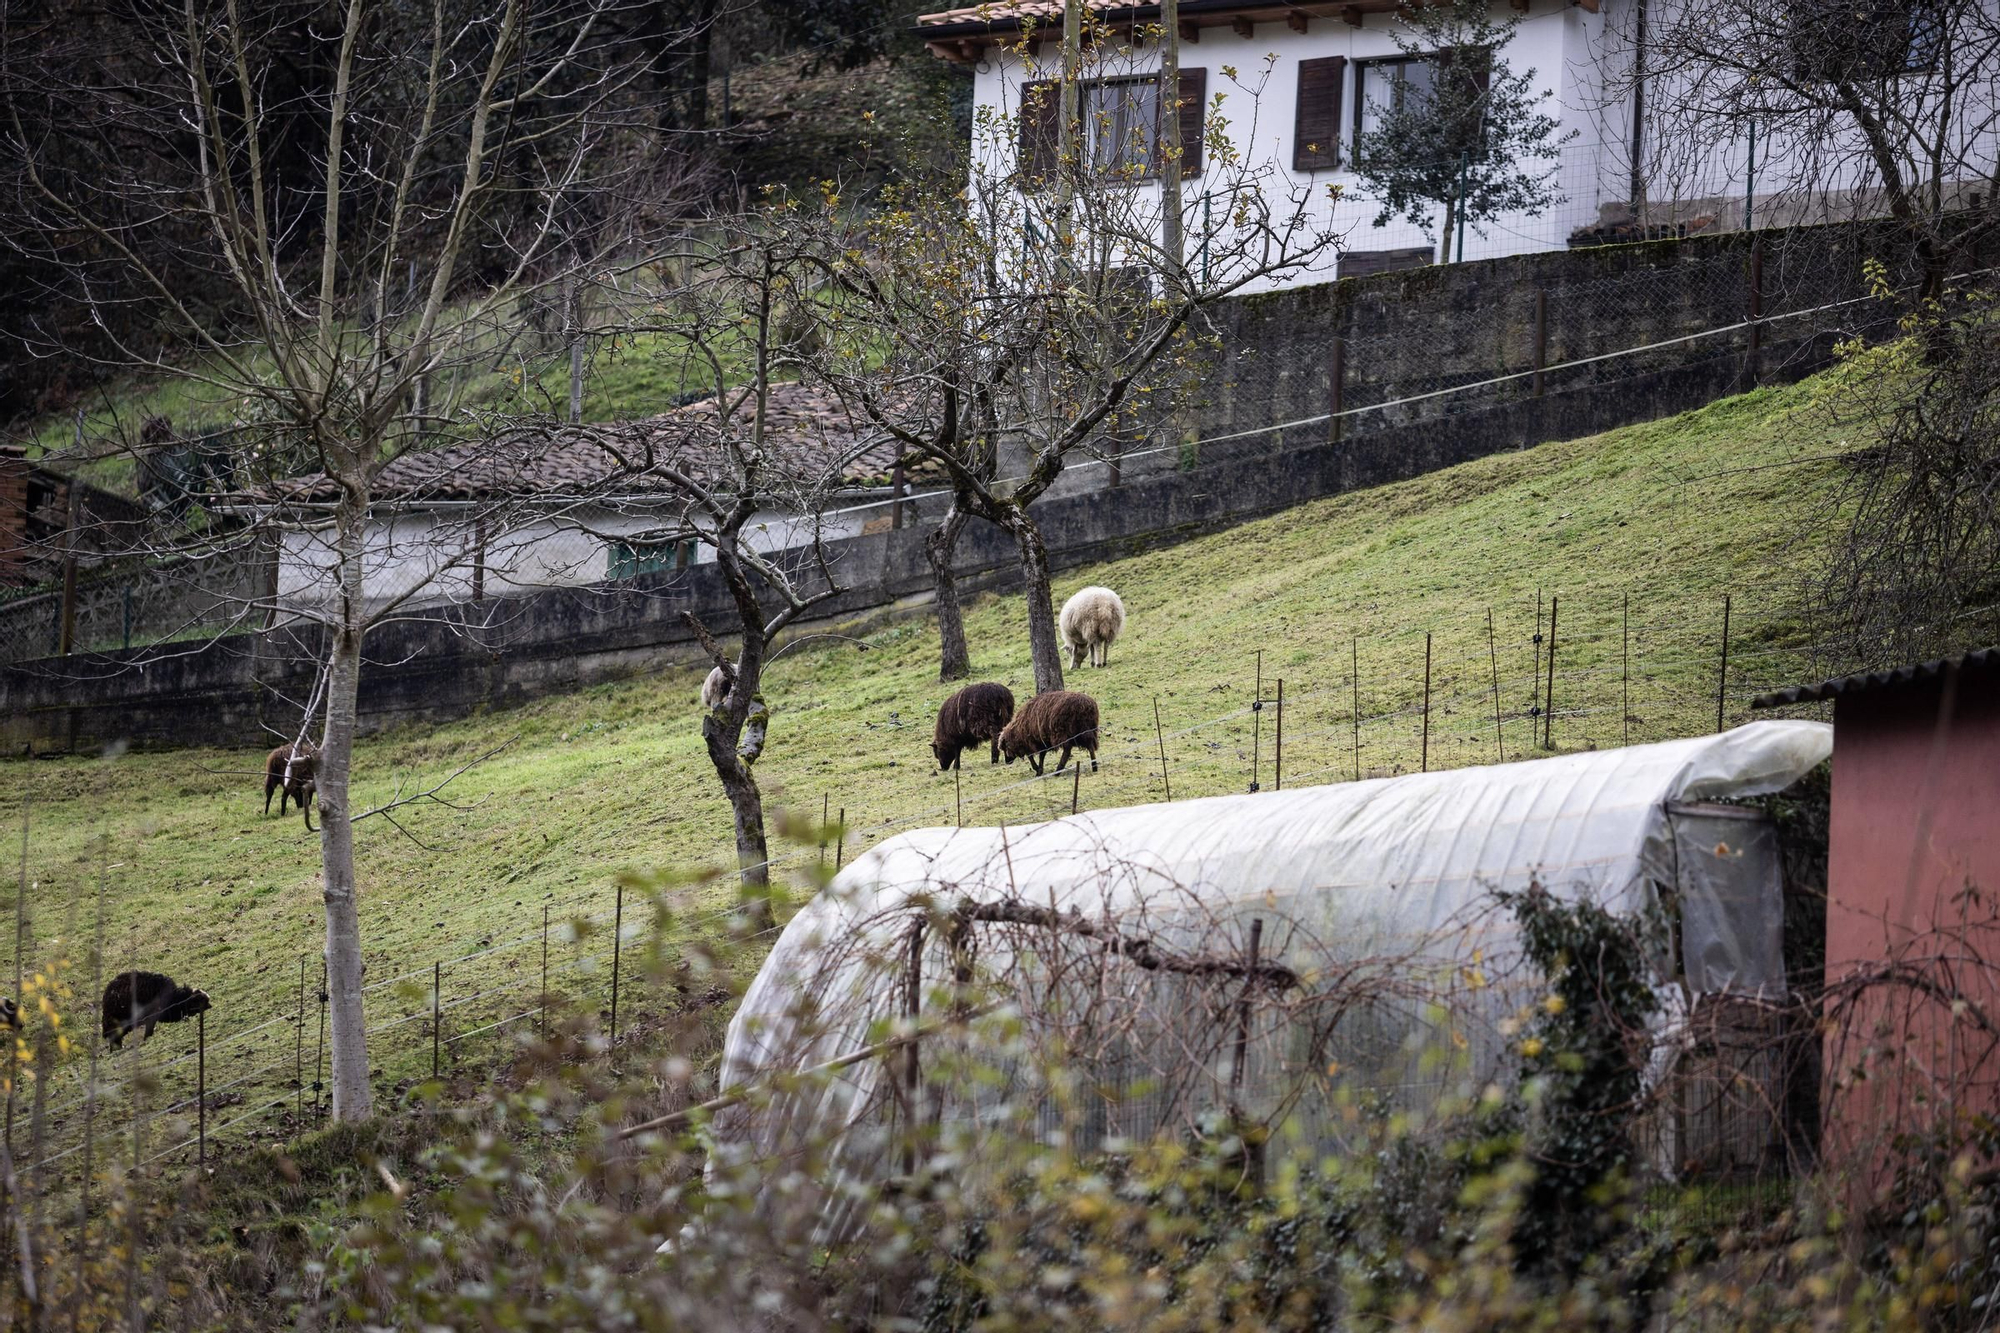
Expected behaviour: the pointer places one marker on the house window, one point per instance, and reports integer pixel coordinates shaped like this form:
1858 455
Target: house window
1389 85
1844 40
1122 118
1405 83
1120 125
628 560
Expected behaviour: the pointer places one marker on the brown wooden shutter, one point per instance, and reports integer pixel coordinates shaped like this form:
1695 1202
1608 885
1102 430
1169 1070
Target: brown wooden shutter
1041 114
1193 98
1316 127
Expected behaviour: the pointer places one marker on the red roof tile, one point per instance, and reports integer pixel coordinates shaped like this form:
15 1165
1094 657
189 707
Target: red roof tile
809 435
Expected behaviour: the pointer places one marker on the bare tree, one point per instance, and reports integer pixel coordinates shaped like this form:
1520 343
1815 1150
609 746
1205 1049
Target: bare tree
1815 111
750 477
363 285
1046 308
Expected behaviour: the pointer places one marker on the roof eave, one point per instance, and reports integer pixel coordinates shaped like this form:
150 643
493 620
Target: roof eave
1979 660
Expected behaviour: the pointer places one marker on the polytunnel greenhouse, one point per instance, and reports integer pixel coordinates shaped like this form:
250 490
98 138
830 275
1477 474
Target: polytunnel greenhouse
1125 973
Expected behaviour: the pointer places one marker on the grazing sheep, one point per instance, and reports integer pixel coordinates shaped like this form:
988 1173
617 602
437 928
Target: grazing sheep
715 689
295 773
1091 622
137 1000
10 1013
1060 717
974 714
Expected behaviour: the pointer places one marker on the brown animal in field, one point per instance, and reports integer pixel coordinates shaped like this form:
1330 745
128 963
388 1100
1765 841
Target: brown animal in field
293 771
978 713
1059 718
137 1000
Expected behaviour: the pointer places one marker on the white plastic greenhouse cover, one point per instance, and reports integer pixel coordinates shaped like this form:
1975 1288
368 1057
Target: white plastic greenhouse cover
1365 864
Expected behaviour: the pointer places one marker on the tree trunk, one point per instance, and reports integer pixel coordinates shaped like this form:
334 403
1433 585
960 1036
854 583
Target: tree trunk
352 1098
940 547
1043 648
746 806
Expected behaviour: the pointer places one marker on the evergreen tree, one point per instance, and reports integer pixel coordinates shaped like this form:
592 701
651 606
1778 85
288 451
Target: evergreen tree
1456 128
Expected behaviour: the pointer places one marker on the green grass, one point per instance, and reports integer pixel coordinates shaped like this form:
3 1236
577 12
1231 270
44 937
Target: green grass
1670 515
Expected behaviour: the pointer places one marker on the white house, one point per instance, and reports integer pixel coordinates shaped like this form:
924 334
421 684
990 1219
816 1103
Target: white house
573 508
1306 76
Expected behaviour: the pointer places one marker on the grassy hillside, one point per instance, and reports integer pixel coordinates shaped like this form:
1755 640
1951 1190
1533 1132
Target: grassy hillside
1665 518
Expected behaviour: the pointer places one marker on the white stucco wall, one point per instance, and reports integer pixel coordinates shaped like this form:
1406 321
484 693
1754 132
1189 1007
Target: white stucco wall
1580 60
427 557
1260 106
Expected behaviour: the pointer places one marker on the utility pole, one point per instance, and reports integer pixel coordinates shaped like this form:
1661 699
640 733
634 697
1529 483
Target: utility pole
1067 127
1170 138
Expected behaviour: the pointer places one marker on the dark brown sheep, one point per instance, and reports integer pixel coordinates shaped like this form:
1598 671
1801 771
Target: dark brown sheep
294 772
1060 717
137 1000
976 713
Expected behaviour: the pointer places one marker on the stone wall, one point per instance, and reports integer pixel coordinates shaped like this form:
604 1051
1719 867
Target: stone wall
504 652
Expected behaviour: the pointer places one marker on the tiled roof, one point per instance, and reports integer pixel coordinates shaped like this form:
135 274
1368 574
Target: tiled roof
808 432
1982 660
1006 11
1002 16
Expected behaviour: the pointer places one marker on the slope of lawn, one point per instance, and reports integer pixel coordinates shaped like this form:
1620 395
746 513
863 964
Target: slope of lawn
1663 519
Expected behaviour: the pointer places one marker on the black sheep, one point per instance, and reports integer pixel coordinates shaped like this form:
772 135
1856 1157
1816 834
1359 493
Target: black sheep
137 1000
295 773
976 713
10 1013
1059 718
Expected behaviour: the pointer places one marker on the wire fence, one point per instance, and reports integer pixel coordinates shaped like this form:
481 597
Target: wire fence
1280 382
1522 681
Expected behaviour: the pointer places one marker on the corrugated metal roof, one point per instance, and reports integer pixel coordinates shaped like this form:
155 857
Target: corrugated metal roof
1983 659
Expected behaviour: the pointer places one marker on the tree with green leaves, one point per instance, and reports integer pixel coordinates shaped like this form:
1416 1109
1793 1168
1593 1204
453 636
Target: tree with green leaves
1456 128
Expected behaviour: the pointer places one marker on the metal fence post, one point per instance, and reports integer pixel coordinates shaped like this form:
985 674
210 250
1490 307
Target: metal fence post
201 1088
1722 676
1625 679
1549 707
1493 658
299 1053
319 1060
1424 764
840 840
1257 722
1161 734
1278 761
437 1011
544 1015
1354 672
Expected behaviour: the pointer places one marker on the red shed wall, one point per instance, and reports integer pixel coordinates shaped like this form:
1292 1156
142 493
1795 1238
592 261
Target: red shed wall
1915 820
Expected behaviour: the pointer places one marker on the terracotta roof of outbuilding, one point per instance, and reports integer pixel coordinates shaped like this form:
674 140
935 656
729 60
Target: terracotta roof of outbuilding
1981 660
809 433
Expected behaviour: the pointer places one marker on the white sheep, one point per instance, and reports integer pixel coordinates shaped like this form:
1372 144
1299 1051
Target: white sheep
1091 622
714 689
